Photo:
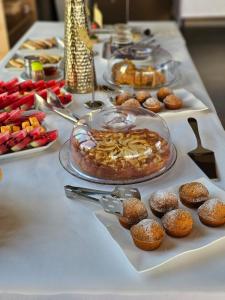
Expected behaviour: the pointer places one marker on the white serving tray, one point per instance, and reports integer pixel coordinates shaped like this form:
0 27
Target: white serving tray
28 152
190 103
200 237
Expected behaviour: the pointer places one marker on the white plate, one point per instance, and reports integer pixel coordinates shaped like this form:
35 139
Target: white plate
28 152
200 237
190 103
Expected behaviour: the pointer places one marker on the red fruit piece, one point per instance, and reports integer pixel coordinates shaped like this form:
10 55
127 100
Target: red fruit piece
39 85
19 135
39 142
55 89
20 101
23 144
3 116
10 84
9 99
13 116
39 115
4 137
3 149
44 139
65 98
26 85
3 96
51 83
35 133
61 83
28 105
43 93
13 89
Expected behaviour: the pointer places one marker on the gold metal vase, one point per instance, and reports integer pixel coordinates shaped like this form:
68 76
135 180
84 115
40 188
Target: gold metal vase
78 59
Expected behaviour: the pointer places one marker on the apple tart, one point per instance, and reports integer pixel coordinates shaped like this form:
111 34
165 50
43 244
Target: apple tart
109 154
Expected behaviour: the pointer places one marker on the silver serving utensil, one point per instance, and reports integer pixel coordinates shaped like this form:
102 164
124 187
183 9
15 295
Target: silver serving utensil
41 104
204 158
53 100
109 203
118 192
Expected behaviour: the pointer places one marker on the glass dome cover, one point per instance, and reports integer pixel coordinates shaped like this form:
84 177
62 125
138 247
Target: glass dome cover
120 146
141 66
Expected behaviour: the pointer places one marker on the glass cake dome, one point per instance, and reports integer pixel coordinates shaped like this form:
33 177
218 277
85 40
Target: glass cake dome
141 66
119 145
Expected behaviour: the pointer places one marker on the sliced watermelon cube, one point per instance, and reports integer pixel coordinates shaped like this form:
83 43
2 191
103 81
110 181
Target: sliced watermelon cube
9 99
4 137
55 89
3 149
13 116
20 101
65 98
26 85
43 93
39 85
19 135
51 83
10 83
39 142
3 116
28 105
21 145
13 89
36 132
51 135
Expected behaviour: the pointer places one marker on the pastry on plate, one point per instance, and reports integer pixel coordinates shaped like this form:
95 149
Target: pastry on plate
121 98
177 223
212 212
152 104
134 211
172 102
141 96
162 202
148 234
132 103
163 93
193 194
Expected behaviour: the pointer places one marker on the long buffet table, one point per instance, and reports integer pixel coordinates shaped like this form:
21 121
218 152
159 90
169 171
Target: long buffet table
59 250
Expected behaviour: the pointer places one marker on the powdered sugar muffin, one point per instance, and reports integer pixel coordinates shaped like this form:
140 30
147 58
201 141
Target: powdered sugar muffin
134 211
177 223
212 212
173 102
132 103
163 93
141 96
121 98
161 202
148 234
153 104
193 194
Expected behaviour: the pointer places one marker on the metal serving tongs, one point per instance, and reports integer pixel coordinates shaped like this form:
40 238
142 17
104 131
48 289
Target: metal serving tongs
110 204
43 105
118 192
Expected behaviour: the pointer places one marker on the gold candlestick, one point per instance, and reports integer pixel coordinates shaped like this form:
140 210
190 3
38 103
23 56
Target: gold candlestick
78 58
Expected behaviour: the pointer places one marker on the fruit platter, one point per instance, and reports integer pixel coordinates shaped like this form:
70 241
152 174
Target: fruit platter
20 130
24 130
15 94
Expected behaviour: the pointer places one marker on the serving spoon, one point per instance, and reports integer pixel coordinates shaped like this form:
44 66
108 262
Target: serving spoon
42 105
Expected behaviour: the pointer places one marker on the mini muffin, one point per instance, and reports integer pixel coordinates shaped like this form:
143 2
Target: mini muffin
177 223
134 211
193 194
141 96
173 102
147 234
121 98
162 202
163 93
152 104
212 212
132 103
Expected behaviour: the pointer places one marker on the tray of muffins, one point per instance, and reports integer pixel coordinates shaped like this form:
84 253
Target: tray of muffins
162 101
168 223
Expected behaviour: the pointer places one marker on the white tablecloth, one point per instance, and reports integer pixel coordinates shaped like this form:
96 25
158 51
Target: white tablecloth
57 249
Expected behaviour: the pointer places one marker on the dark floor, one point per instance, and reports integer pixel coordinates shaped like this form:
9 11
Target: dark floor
207 48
